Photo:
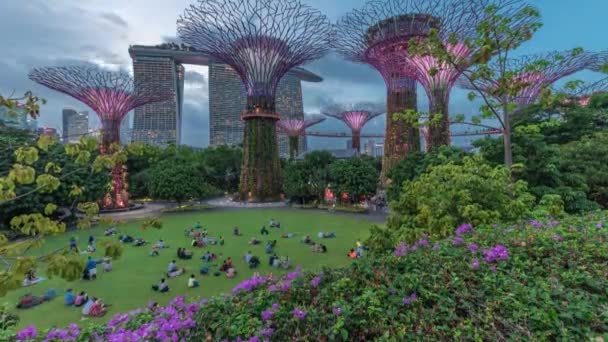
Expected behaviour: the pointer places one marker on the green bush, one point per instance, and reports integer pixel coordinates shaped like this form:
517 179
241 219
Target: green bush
449 195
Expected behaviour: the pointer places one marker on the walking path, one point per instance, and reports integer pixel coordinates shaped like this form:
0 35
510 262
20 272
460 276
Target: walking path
149 210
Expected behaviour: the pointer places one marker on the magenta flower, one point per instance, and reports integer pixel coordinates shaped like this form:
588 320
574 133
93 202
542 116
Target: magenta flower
337 311
423 242
436 247
475 264
536 224
472 247
410 299
275 307
497 253
254 339
27 334
299 314
315 281
599 225
464 228
267 332
267 315
457 241
401 250
557 237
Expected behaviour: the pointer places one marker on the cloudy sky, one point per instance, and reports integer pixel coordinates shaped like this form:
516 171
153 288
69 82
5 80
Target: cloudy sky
56 32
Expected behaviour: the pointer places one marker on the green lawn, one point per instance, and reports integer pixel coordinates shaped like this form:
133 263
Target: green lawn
127 287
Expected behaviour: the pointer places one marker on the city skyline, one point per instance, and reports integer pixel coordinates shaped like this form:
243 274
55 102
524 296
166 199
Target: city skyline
91 32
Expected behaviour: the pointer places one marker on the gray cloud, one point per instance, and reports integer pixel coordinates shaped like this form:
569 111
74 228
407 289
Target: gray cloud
115 19
195 77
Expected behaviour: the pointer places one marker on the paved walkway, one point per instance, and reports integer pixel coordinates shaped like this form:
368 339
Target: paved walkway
227 202
149 210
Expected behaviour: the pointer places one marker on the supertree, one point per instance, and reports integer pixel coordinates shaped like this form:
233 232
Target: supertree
458 29
111 95
296 128
378 35
261 40
355 116
583 94
529 75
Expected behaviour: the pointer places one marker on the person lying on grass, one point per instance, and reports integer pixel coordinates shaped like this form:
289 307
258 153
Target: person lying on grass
306 239
176 273
110 231
287 235
184 254
139 242
197 242
330 235
318 248
274 224
254 241
125 239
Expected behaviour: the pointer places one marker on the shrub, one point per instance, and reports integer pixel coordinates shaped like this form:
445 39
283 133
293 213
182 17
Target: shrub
450 194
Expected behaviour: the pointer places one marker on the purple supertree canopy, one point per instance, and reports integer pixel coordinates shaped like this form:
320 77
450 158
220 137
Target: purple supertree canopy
531 74
110 94
297 127
260 39
355 116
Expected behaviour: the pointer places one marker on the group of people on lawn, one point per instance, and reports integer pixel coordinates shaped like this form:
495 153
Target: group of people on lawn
91 306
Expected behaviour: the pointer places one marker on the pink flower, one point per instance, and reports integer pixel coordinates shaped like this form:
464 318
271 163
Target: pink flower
27 334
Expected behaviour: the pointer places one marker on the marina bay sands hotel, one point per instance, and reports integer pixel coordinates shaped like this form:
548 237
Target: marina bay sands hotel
160 123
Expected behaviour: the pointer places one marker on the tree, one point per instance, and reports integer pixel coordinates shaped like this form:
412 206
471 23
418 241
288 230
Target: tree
497 36
222 166
448 195
178 181
356 177
307 179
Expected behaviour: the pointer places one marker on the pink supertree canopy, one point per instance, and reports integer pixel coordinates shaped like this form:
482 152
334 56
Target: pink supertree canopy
297 127
111 95
355 116
529 75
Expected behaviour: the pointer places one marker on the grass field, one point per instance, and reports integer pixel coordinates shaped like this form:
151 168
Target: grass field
127 287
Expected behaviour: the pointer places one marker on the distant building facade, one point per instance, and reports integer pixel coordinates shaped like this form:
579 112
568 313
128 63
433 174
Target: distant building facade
51 132
159 123
74 125
227 101
14 118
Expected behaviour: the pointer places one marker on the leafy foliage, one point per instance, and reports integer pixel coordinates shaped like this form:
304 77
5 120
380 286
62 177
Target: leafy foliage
307 180
178 181
448 195
356 177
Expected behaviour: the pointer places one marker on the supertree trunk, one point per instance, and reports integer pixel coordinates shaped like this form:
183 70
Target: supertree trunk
261 167
118 198
357 141
294 144
439 132
401 137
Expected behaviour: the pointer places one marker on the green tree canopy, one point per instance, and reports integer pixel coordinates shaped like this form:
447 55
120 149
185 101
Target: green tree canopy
355 176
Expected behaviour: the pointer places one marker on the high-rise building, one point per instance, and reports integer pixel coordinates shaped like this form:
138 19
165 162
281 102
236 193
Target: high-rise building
368 147
75 125
125 130
378 150
52 132
349 144
160 123
227 101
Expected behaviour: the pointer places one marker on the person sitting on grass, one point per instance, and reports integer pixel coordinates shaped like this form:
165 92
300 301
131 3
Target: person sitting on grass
161 244
98 309
30 278
221 240
73 246
154 251
204 232
68 298
139 242
172 266
81 299
197 243
287 235
91 268
254 262
263 231
272 259
352 254
110 231
254 241
197 225
107 264
306 239
248 256
268 247
126 239
236 231
204 269
274 224
224 266
91 240
184 254
230 273
161 287
91 248
86 308
176 273
192 282
207 257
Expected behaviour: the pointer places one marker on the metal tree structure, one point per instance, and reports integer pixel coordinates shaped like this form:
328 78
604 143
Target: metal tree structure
111 95
355 116
296 128
530 75
261 40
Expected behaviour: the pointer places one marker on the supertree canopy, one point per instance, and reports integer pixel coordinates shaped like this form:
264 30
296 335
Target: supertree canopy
355 116
111 95
296 128
529 75
438 76
261 40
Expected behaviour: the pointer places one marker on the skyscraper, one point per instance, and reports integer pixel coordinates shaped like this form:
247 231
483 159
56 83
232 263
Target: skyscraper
75 125
227 101
160 123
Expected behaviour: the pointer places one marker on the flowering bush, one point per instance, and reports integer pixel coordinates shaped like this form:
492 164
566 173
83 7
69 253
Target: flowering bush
500 281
